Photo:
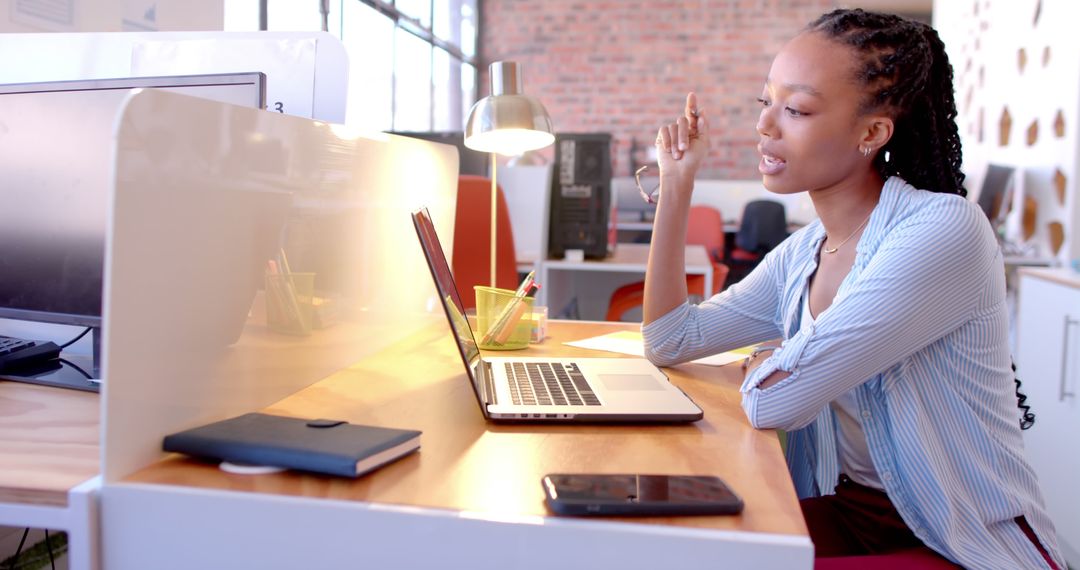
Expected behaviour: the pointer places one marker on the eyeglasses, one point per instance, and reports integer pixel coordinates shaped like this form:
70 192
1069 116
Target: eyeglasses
652 195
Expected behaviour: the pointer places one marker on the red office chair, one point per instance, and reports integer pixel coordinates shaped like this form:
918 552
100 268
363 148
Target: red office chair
920 558
472 239
705 227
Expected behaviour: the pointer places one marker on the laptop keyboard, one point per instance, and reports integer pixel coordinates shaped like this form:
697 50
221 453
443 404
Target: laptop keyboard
549 384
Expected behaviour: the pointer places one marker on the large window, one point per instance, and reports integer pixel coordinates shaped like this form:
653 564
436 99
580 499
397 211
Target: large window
412 62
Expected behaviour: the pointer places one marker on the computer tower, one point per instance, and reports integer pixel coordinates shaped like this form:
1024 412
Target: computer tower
580 194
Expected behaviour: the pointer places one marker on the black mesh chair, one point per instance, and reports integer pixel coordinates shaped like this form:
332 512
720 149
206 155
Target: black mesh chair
762 227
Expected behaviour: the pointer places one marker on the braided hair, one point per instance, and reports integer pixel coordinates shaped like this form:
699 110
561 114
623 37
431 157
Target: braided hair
903 67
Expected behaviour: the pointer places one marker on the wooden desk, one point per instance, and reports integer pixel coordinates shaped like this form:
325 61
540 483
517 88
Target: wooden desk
49 461
472 495
561 280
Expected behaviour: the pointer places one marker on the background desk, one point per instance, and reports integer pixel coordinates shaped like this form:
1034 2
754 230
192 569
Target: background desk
49 461
592 281
471 496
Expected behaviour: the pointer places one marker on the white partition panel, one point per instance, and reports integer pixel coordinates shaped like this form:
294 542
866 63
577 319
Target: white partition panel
206 196
227 529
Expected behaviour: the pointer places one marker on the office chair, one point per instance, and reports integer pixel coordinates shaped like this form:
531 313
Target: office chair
705 227
917 558
762 227
472 235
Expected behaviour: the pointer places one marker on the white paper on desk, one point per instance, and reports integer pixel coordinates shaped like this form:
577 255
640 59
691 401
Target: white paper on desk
631 342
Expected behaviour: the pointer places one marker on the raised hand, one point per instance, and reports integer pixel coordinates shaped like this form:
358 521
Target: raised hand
682 145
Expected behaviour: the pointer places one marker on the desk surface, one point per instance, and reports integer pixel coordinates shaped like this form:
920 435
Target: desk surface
466 464
632 257
1059 275
49 442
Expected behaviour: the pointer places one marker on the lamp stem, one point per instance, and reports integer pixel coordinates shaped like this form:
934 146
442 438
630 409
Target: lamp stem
494 201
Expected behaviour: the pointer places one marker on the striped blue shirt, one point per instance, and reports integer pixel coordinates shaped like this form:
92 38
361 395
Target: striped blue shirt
919 329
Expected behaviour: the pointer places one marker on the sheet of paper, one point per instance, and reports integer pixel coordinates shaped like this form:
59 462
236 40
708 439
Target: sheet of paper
631 342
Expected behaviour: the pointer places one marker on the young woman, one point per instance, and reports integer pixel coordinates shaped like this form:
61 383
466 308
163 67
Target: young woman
893 376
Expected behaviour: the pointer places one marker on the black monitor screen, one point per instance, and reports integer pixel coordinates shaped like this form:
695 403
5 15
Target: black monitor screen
247 89
54 194
995 192
56 280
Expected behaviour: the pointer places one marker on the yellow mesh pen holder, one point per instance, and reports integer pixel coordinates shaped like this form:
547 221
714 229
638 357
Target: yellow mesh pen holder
502 319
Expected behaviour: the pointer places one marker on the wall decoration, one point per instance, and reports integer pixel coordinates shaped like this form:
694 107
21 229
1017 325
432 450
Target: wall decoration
1029 216
1057 236
1060 182
1016 69
1004 127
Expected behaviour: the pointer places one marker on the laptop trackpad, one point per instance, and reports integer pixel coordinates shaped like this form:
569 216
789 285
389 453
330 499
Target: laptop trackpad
630 382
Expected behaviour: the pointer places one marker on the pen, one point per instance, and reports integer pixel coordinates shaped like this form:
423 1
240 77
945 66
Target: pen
511 314
285 263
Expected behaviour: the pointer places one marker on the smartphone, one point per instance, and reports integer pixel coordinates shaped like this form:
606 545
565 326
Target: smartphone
655 495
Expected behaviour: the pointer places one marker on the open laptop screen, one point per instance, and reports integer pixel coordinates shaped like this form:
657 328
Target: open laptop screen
448 292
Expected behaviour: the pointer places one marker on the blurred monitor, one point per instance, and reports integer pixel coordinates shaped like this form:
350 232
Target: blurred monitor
57 278
247 89
996 193
52 221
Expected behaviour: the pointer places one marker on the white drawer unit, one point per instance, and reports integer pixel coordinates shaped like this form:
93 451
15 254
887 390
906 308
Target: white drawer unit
1048 358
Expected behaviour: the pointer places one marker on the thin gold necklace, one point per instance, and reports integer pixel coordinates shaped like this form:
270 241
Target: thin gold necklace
841 244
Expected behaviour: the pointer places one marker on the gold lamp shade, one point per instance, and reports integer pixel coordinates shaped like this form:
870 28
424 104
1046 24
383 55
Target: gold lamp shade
508 121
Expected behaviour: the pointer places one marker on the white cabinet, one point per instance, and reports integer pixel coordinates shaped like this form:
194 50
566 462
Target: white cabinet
1048 358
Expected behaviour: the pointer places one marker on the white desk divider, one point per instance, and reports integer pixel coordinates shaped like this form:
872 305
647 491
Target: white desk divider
528 196
206 194
307 72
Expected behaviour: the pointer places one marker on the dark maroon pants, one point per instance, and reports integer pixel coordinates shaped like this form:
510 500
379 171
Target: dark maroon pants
859 521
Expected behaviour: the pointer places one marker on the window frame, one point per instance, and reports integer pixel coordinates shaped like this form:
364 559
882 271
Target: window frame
413 26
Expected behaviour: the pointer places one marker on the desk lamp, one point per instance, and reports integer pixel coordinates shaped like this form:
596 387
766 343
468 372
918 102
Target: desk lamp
507 122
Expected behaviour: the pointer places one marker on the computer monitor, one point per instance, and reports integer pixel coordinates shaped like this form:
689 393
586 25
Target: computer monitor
52 224
996 192
247 89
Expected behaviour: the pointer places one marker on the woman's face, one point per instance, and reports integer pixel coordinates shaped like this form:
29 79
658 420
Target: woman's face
809 127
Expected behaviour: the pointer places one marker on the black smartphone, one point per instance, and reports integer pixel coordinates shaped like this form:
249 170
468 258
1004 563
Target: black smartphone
655 495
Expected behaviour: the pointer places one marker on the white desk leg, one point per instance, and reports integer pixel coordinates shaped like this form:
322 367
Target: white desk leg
82 528
708 285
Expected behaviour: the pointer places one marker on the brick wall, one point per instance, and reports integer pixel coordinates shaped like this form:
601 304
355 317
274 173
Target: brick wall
624 66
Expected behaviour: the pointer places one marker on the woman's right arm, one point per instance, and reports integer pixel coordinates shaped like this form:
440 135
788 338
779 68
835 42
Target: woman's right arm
680 148
745 313
674 330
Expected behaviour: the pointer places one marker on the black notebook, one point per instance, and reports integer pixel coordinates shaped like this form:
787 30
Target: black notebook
322 446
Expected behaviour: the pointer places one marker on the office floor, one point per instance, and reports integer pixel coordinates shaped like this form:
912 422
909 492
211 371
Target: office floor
31 558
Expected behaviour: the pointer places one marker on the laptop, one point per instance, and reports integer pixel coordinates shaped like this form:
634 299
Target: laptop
552 389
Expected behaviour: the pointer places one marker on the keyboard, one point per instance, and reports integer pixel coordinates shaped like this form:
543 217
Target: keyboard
17 353
549 384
